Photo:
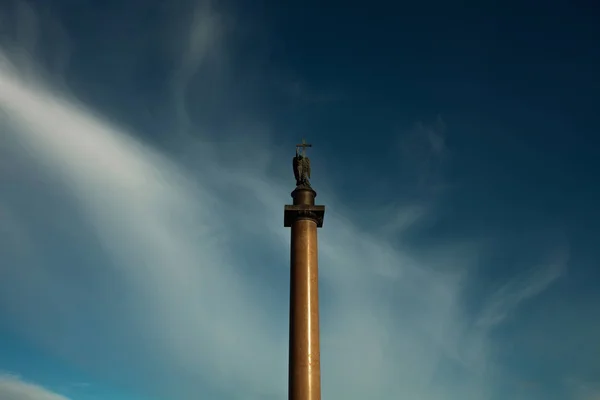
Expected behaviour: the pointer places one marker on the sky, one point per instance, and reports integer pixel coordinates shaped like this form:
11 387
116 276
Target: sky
145 160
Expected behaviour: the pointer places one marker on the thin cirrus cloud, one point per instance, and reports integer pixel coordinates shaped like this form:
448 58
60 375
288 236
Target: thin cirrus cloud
14 388
168 262
169 240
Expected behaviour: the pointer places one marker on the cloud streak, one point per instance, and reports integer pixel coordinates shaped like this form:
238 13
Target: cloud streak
13 388
186 267
162 234
523 287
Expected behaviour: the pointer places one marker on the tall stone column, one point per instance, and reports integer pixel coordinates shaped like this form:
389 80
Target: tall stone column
304 217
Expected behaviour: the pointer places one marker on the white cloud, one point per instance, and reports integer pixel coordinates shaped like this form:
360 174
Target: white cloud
202 41
522 287
583 390
173 241
14 388
185 252
389 316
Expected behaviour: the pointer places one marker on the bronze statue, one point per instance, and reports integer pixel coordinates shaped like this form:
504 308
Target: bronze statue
301 165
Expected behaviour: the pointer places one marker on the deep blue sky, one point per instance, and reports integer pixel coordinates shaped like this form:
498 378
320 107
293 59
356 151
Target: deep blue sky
455 146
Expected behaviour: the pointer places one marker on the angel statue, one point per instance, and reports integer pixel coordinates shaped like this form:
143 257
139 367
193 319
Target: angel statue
301 165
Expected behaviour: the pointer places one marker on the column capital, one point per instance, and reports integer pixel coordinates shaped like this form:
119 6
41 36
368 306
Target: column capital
303 211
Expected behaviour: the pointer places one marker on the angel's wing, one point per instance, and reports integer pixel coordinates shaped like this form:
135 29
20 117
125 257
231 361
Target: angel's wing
296 169
307 165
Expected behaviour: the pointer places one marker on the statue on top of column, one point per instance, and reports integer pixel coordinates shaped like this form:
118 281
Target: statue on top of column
301 165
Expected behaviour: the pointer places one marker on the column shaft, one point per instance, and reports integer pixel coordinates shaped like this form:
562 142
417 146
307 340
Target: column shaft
304 356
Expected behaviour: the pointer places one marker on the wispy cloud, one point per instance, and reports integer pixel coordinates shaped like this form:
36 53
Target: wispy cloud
424 153
186 267
201 41
525 286
14 388
583 390
167 235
